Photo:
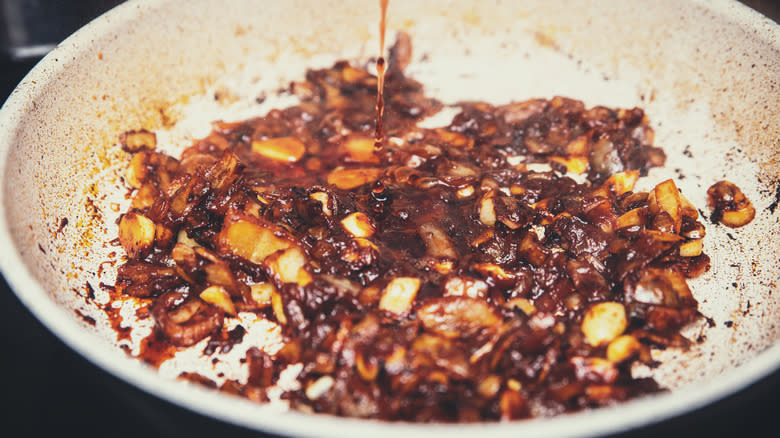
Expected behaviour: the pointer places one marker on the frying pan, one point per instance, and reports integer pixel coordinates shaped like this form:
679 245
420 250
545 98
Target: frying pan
707 74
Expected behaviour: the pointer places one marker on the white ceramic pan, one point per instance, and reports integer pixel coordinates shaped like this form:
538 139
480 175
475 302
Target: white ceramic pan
706 72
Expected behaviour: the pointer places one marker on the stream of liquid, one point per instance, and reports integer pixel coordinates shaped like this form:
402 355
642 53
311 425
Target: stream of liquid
379 135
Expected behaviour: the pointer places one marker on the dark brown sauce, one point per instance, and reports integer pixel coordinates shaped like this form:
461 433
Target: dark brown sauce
379 135
444 210
115 318
156 349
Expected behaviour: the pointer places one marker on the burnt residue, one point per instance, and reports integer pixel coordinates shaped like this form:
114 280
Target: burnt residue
63 224
115 319
86 318
93 210
90 291
167 118
773 206
225 342
728 323
41 249
102 266
197 378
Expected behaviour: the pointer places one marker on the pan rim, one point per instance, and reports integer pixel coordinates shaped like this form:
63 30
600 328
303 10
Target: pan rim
56 319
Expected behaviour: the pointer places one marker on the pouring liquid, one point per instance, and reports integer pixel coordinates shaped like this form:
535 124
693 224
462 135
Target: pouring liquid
379 135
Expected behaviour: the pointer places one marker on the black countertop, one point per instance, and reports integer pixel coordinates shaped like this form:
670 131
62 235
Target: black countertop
47 388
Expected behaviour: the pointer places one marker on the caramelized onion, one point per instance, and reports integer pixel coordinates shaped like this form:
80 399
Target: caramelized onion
461 273
202 320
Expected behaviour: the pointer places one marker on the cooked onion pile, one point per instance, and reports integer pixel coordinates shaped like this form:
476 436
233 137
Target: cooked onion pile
448 277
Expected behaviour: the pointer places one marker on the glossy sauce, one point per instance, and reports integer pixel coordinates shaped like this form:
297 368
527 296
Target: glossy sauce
508 260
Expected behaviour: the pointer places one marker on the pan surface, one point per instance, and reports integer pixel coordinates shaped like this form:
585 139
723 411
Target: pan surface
707 74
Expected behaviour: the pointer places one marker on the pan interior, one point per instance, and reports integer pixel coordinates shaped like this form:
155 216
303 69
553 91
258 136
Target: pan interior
709 86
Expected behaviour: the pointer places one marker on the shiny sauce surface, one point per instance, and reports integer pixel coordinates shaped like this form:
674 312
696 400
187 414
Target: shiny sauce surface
500 267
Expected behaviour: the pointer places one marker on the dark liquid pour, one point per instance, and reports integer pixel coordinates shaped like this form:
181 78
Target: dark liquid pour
379 135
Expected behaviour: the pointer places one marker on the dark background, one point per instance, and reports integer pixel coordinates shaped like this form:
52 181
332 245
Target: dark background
48 389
